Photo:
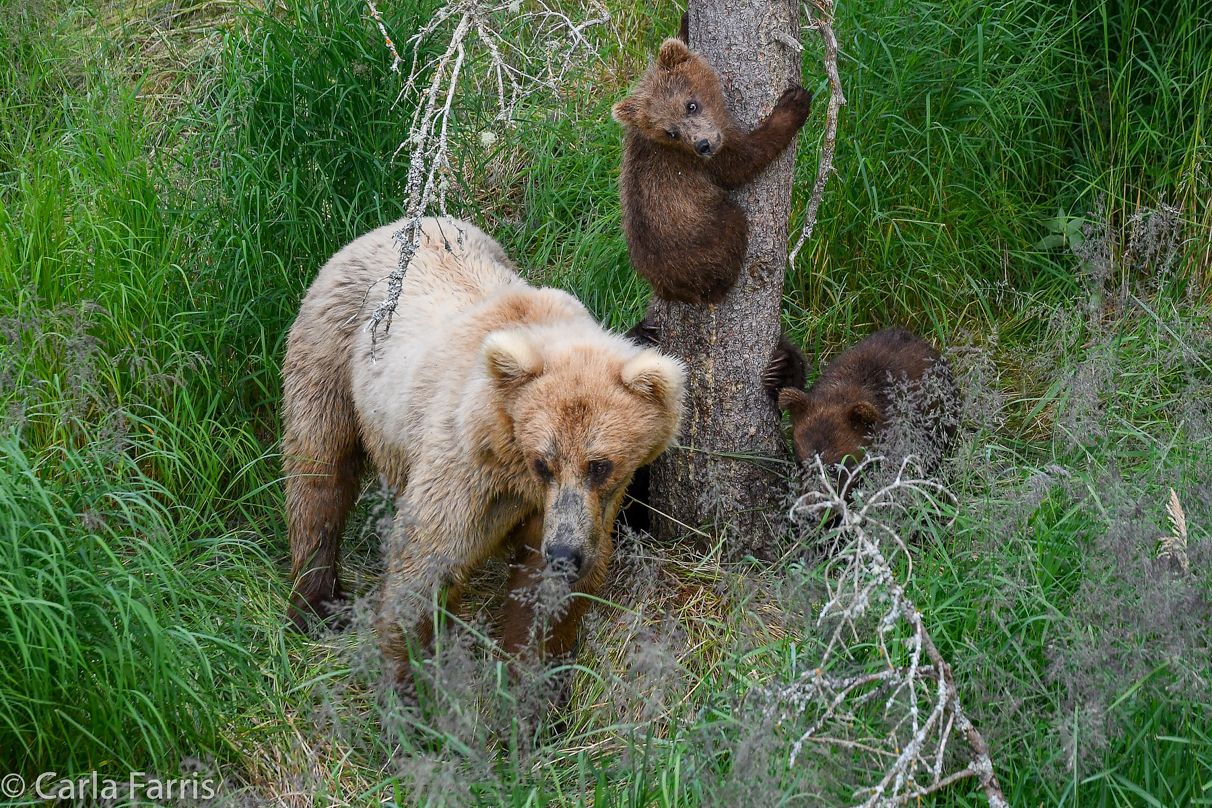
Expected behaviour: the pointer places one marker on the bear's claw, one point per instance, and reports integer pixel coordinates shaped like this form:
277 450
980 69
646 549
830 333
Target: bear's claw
772 377
786 368
645 333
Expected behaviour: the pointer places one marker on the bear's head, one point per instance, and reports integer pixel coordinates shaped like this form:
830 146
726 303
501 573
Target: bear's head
679 102
838 429
583 416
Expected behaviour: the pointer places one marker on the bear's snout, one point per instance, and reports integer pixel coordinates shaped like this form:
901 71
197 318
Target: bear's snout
565 560
569 534
703 147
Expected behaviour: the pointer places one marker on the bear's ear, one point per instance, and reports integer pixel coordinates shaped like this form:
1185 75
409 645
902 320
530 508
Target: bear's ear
864 415
511 358
627 112
795 401
673 53
656 377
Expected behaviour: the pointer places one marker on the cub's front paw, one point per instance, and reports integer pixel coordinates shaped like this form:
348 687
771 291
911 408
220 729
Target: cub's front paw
645 332
785 369
797 101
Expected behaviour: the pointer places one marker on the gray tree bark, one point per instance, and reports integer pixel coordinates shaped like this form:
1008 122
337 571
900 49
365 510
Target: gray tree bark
727 473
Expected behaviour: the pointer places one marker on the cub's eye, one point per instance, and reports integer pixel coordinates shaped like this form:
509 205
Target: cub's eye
543 470
599 470
692 107
672 135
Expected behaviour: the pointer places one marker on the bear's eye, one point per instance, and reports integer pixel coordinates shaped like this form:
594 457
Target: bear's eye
672 135
599 470
543 470
692 107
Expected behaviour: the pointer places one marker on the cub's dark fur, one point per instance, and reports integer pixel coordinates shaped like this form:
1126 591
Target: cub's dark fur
682 154
891 378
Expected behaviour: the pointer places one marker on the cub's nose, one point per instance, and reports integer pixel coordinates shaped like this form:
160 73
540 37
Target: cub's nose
565 561
703 146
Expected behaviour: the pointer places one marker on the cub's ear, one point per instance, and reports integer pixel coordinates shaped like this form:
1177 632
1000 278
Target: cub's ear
795 401
511 359
673 52
656 377
627 112
864 415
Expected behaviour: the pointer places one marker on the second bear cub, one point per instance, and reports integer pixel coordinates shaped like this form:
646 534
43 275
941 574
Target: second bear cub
683 153
893 381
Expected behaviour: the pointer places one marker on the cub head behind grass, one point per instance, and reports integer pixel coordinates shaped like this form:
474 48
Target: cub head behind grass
892 390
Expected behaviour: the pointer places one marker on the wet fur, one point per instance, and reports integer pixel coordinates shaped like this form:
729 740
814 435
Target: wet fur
479 375
684 235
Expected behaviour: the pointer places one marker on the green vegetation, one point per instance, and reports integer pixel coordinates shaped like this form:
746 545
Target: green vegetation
1029 183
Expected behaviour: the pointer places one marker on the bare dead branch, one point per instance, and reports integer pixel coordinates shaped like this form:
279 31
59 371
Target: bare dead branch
391 46
822 23
920 700
955 777
480 37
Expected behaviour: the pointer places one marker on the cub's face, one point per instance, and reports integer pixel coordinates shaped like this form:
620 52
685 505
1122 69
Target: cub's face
584 418
839 432
678 102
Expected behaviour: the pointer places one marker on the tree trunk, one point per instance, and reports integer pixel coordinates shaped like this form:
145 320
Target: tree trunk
728 475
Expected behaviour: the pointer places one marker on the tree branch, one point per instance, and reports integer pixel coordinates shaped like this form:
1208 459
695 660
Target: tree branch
860 577
514 76
823 25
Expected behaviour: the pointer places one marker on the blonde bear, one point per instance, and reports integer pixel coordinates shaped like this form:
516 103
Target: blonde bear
505 418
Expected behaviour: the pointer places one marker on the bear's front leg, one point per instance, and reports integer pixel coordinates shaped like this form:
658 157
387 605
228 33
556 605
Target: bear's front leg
744 157
542 614
412 586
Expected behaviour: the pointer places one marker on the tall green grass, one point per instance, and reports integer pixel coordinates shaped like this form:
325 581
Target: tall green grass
151 263
131 480
971 125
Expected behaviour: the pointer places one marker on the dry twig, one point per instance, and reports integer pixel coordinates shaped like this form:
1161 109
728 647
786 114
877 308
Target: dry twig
822 23
919 697
483 38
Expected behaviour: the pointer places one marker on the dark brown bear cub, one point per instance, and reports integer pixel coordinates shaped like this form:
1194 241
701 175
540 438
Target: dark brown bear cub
892 389
683 153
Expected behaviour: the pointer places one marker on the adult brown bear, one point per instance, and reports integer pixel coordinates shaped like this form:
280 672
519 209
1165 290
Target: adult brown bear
504 417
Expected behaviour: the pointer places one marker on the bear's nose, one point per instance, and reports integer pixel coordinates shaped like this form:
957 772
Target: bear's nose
565 561
703 146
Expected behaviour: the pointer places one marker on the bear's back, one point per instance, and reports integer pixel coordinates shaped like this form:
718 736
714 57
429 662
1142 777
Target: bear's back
456 264
877 364
411 383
